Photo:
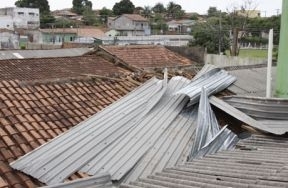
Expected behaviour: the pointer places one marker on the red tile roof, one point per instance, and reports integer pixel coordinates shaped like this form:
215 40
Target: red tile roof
148 56
135 17
31 115
55 68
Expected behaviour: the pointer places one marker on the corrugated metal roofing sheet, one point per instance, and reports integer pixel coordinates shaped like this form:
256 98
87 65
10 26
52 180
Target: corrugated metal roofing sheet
117 138
23 54
272 114
259 161
213 81
98 181
260 108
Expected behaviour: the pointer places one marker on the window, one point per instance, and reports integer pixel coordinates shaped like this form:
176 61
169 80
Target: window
31 14
21 13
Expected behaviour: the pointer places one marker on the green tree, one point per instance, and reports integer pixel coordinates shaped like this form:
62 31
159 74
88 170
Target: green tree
79 6
44 8
213 12
123 7
159 8
105 13
147 11
43 5
207 35
174 10
89 17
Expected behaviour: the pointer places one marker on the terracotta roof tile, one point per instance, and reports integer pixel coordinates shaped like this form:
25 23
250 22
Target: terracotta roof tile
53 68
147 56
38 112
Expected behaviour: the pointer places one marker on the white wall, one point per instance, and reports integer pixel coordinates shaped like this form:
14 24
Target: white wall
6 22
228 61
27 18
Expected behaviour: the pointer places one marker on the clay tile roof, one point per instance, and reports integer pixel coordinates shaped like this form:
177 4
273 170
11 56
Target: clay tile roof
31 115
135 17
148 56
57 68
90 32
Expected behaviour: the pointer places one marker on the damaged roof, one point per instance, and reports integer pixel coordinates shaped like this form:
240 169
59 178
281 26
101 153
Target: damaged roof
116 139
258 161
148 56
31 115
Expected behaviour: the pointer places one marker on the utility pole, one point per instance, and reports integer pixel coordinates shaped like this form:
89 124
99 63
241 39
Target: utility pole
282 64
235 42
220 32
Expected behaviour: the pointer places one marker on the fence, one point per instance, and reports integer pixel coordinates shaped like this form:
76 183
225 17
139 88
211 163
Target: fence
228 61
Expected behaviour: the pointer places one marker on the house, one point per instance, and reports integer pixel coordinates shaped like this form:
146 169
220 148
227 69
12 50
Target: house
60 35
65 13
23 18
129 25
181 26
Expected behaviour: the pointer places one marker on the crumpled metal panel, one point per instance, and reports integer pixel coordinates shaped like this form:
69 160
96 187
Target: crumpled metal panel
260 108
169 150
213 81
207 125
278 127
117 138
100 180
209 138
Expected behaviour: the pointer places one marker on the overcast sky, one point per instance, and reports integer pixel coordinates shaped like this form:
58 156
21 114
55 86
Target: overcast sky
268 7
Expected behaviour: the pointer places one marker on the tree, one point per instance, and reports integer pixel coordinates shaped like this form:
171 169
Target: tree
43 5
105 13
123 7
79 6
44 8
207 35
159 8
213 12
88 17
174 10
147 11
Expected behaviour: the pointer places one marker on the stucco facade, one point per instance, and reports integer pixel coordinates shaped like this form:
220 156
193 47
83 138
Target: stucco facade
24 18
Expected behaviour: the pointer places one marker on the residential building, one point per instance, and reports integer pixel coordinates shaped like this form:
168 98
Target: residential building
24 18
130 25
180 26
60 35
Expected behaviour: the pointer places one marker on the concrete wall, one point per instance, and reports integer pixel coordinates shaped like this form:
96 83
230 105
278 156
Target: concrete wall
34 46
6 22
27 18
195 54
228 61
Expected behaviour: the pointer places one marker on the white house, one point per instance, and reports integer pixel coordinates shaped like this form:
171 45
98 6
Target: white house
130 25
24 18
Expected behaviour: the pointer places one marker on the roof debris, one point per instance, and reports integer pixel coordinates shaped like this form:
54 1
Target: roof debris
117 138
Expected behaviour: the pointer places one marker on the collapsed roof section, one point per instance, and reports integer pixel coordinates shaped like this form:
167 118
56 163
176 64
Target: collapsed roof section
127 136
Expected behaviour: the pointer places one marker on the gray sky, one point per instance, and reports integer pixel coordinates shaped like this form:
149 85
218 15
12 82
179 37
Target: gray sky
267 7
